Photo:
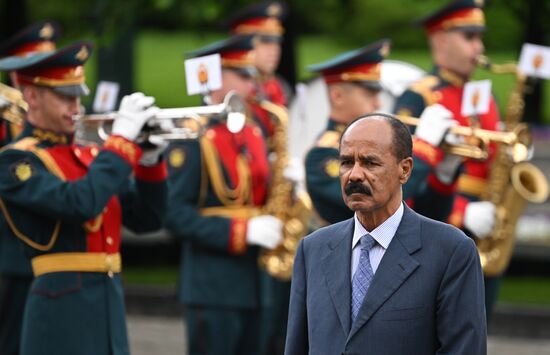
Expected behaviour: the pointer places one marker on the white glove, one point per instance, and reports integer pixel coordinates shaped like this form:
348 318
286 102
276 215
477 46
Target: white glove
151 156
479 218
265 231
4 102
446 170
295 172
434 123
135 110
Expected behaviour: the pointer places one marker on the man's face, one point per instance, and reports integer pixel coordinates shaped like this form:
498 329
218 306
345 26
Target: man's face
236 81
267 55
51 110
370 175
459 51
354 100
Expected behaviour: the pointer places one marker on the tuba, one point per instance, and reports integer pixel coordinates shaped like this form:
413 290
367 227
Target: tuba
511 184
294 212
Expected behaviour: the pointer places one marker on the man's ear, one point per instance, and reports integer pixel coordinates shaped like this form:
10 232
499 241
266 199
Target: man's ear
30 94
405 170
335 95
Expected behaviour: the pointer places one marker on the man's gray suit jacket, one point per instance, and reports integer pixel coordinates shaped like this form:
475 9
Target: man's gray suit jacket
427 295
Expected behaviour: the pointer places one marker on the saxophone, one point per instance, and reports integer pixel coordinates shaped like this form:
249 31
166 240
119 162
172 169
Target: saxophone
511 184
295 212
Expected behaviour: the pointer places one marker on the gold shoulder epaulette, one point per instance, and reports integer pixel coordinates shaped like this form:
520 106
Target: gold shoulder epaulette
27 143
329 139
425 88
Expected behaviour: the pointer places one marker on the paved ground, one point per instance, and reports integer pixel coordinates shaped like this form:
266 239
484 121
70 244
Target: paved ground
164 336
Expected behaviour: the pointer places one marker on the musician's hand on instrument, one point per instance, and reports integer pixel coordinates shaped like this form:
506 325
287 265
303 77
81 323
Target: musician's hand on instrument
152 153
295 172
434 123
4 103
447 170
479 218
265 231
135 110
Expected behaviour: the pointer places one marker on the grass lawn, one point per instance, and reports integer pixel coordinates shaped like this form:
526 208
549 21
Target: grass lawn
514 290
159 68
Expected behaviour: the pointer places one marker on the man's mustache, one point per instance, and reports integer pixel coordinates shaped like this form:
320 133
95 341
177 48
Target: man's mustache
353 187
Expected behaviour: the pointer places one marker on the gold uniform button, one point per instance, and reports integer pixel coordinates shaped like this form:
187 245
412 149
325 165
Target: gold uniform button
109 241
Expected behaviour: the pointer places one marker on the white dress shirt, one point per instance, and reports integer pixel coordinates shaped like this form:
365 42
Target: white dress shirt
383 234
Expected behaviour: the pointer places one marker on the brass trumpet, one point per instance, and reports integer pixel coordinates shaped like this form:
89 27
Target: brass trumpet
13 107
519 140
183 123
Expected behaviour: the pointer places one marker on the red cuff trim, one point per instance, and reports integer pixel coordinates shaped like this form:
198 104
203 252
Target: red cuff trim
440 187
237 237
128 150
155 173
459 208
427 152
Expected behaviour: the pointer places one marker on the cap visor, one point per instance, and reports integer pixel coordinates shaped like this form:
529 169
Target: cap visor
72 90
471 29
372 85
250 72
270 38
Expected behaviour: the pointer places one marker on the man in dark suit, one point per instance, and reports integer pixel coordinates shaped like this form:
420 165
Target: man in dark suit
387 281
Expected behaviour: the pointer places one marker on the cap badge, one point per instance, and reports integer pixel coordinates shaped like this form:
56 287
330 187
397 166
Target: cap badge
385 50
274 10
82 54
46 31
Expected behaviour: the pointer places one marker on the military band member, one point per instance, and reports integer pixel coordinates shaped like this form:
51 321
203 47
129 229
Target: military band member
263 21
65 204
453 185
39 37
353 80
218 185
15 268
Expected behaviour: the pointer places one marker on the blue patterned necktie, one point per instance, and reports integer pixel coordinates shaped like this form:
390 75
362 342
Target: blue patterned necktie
362 277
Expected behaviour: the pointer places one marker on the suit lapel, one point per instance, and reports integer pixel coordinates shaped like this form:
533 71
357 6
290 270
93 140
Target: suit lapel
337 272
395 267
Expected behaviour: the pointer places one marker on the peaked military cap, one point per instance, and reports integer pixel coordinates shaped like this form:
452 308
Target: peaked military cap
262 19
361 66
62 70
461 15
235 52
39 37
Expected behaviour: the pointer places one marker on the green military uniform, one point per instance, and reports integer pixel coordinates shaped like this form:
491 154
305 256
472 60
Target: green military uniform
15 269
264 21
428 195
65 204
216 185
360 67
322 171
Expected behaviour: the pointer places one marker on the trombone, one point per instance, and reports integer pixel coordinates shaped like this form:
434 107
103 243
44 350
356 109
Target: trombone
519 140
171 124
